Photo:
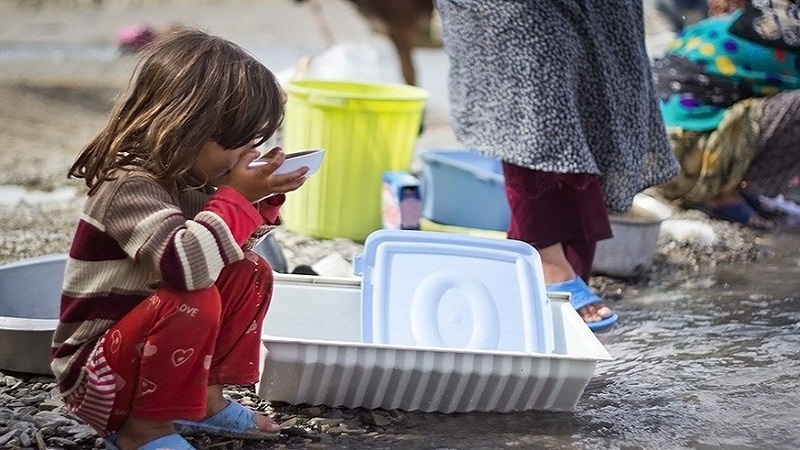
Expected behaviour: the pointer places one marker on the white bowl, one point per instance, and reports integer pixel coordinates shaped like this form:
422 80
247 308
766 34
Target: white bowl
307 158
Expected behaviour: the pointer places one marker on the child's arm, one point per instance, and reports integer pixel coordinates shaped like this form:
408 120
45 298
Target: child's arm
187 253
269 208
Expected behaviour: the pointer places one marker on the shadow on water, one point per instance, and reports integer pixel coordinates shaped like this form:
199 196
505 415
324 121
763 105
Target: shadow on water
701 368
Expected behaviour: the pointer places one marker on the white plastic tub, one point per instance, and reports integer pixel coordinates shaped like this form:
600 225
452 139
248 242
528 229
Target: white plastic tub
315 355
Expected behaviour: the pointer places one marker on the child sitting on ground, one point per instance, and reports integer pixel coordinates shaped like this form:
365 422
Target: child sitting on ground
163 300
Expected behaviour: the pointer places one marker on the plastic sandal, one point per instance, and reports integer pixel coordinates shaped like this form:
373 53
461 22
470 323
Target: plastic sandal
234 421
169 442
581 295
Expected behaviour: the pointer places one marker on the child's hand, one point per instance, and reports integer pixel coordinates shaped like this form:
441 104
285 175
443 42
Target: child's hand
259 182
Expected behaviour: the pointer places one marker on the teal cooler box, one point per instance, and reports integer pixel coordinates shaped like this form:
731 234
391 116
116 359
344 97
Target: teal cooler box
465 189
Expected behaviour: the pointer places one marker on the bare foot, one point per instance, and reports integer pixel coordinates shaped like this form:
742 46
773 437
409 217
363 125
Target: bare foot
266 424
592 313
216 402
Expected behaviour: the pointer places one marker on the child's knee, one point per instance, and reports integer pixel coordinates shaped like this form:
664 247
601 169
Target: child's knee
203 307
264 271
253 267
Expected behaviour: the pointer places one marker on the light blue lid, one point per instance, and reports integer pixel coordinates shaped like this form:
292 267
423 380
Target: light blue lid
439 290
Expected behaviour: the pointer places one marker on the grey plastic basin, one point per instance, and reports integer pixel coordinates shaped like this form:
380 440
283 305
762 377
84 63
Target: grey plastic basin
30 293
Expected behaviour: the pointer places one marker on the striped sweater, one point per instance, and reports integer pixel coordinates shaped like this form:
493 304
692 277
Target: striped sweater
135 236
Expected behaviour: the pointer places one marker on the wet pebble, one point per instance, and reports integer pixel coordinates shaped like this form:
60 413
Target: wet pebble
32 416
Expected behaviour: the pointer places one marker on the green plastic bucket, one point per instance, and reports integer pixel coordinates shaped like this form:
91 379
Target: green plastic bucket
366 129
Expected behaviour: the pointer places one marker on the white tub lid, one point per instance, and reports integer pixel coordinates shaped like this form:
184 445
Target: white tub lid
441 290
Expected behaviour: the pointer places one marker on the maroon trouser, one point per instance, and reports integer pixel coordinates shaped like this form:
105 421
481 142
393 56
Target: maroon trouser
550 208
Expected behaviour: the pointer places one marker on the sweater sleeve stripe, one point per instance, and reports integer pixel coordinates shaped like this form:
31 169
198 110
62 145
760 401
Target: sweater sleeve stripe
199 255
193 259
188 252
145 229
226 244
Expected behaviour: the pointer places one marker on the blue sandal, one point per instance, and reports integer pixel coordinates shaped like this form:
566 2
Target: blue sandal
234 421
169 442
581 296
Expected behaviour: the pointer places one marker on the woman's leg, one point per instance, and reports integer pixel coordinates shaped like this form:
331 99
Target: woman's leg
549 210
558 269
580 255
555 208
555 265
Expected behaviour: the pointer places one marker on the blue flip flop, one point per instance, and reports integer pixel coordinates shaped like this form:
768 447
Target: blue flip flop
169 442
581 295
234 421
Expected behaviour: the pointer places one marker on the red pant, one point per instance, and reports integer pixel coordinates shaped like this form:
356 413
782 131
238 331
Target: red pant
548 208
166 351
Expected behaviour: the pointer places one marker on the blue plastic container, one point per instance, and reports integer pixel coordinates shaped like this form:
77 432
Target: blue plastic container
464 188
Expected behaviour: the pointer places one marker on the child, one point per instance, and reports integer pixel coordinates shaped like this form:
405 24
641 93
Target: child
163 300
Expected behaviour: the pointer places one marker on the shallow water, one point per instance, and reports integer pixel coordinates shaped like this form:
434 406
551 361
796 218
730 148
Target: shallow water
712 367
